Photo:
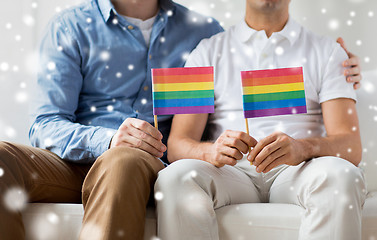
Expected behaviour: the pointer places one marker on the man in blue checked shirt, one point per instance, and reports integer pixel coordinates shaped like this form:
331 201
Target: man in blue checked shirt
92 134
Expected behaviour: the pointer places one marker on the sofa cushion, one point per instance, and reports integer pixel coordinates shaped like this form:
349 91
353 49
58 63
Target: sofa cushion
261 220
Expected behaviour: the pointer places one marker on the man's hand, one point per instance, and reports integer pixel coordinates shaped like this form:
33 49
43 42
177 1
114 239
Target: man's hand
353 71
276 149
140 134
229 147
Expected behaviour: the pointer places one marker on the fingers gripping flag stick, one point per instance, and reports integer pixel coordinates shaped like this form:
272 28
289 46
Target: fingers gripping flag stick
182 91
273 92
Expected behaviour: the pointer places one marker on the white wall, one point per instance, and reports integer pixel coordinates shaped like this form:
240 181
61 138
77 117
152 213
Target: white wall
22 23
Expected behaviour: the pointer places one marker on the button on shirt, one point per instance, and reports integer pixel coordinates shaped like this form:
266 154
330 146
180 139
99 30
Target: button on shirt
242 48
95 72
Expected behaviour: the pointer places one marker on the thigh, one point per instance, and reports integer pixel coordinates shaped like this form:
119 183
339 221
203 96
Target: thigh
226 185
44 176
328 172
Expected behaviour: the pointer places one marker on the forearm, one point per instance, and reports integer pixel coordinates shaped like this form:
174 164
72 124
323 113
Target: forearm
346 146
70 141
179 148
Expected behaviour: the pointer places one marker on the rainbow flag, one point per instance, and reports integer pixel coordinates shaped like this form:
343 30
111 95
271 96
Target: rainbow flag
183 90
273 92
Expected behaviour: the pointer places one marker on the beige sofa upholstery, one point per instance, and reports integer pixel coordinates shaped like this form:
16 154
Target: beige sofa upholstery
261 221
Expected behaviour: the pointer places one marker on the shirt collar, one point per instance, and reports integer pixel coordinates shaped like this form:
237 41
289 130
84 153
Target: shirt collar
107 8
291 31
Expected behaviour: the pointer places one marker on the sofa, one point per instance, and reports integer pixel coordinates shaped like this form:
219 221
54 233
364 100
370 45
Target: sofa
60 221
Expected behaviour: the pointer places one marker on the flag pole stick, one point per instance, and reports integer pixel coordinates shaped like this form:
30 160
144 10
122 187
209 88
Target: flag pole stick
155 122
248 133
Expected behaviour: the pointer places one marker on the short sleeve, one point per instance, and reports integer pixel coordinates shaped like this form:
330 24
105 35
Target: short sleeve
334 84
199 56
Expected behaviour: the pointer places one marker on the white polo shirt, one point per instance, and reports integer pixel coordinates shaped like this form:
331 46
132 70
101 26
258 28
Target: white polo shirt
243 48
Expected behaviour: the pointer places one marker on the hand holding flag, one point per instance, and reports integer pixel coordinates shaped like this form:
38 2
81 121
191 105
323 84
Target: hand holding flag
273 92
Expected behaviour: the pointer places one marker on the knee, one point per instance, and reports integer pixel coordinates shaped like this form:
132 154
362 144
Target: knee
179 172
339 174
125 159
184 177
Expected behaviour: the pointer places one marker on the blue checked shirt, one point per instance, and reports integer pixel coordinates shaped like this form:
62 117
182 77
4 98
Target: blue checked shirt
95 72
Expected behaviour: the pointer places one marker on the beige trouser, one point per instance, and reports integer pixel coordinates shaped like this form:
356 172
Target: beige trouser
330 190
114 190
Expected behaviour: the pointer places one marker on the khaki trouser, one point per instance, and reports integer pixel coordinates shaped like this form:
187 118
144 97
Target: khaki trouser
114 190
330 190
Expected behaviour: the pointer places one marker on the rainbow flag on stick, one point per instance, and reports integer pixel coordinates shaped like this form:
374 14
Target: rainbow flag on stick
183 90
273 92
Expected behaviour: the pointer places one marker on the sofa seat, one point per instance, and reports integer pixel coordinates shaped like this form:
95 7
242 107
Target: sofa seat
48 221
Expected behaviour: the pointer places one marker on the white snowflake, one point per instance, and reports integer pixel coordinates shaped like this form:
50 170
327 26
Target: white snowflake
359 42
349 22
118 74
367 59
352 14
4 66
185 56
28 20
1 172
58 9
21 97
8 26
162 39
158 196
51 66
15 199
130 67
323 10
144 101
53 218
228 15
110 108
370 13
333 24
368 86
17 37
93 108
48 142
120 233
279 50
15 68
193 174
88 20
104 56
10 132
34 5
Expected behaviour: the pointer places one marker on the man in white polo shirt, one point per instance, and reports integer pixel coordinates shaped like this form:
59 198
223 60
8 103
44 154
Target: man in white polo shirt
305 159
